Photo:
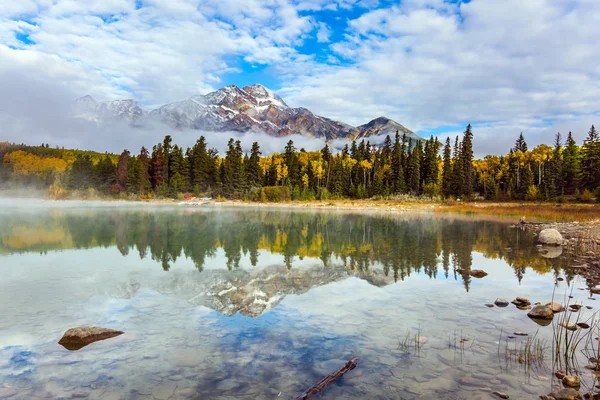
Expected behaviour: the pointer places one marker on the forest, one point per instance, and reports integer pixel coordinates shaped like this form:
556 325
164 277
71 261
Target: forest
399 245
397 168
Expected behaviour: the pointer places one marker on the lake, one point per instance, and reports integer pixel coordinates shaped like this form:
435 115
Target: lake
260 303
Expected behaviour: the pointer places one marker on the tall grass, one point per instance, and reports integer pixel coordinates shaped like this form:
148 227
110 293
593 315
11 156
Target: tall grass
541 211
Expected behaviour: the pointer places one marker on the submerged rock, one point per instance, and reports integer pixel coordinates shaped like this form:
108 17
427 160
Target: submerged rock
541 315
556 307
550 237
522 303
563 394
571 381
542 312
77 338
477 273
501 302
500 395
489 305
569 327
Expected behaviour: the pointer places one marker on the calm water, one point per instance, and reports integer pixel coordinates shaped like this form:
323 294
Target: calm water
250 303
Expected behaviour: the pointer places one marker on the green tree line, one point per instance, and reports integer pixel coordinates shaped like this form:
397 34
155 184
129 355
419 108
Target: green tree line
398 166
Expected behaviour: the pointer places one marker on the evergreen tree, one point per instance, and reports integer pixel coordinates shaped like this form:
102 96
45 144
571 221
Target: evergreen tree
590 160
447 170
122 170
553 184
458 177
414 169
520 144
231 174
106 172
571 166
252 167
398 182
466 155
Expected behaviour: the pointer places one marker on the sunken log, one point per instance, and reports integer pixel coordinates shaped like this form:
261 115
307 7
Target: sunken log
328 380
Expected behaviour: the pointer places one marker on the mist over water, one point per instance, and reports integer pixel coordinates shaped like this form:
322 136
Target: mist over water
222 302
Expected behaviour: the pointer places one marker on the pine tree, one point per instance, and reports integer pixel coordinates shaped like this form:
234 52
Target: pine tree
571 166
398 183
553 179
520 144
122 170
590 160
466 155
252 167
458 177
144 159
447 170
414 169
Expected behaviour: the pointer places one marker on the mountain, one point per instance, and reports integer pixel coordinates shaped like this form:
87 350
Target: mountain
246 292
384 126
251 108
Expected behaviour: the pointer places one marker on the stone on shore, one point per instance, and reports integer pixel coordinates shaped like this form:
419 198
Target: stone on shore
550 237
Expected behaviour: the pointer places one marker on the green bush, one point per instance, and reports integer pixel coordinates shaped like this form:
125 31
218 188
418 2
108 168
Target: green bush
597 194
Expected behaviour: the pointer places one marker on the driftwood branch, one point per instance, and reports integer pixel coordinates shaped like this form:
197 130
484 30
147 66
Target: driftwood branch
328 380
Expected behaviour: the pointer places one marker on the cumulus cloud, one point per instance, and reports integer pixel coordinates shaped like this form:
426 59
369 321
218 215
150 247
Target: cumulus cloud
505 67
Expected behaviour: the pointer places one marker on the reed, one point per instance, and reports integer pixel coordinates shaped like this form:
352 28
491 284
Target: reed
542 211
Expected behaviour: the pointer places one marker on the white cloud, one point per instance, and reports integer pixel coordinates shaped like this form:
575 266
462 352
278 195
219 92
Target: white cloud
323 33
506 66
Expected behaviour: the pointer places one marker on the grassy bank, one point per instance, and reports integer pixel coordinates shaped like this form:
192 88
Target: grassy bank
543 212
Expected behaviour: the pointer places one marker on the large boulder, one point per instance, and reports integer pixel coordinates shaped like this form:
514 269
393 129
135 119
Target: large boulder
541 312
550 237
77 338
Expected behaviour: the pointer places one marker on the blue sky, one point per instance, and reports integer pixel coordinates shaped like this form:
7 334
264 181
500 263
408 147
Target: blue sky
432 65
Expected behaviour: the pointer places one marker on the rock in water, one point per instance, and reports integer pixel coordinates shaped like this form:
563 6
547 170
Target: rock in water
77 338
542 315
556 307
564 394
550 237
477 273
571 381
501 302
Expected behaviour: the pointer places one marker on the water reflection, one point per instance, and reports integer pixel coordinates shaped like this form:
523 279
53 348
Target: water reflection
262 303
400 245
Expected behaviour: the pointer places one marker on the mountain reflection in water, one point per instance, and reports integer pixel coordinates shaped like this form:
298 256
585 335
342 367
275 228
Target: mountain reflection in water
295 294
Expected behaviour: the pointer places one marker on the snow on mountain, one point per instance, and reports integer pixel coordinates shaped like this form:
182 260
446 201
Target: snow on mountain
251 108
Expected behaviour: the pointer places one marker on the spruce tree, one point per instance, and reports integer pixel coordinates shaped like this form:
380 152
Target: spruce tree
253 170
571 166
590 160
520 144
553 179
447 169
122 170
466 155
414 169
398 183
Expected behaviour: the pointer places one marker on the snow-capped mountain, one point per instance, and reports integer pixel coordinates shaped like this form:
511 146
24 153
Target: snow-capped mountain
252 108
248 292
88 108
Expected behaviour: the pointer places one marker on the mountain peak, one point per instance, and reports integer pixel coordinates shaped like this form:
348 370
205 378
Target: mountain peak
251 108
